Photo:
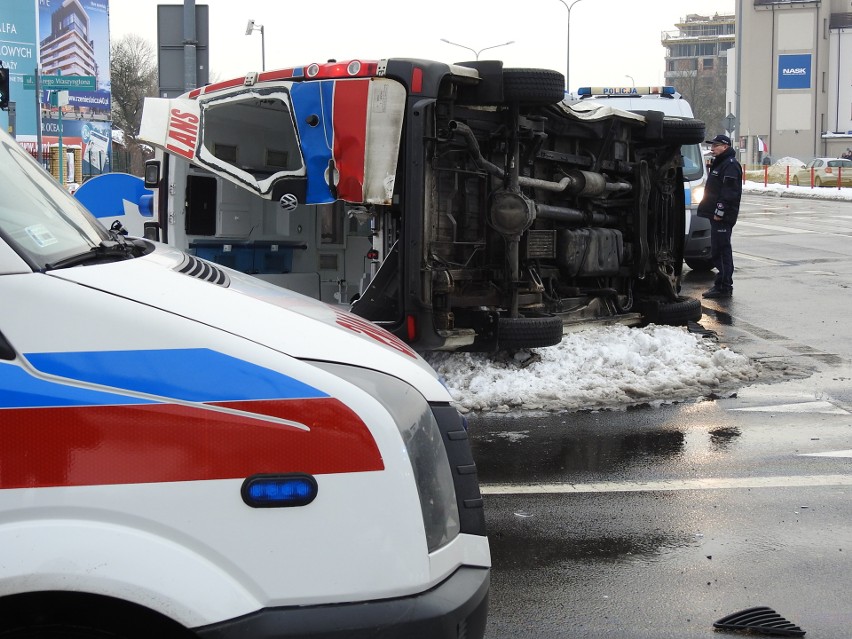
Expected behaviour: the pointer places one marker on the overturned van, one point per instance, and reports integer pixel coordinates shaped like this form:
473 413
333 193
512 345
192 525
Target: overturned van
458 206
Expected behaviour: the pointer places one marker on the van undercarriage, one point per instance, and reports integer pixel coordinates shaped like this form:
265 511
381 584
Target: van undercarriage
536 218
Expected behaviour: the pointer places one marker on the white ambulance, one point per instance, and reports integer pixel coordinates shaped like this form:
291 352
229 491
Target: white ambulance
188 451
665 99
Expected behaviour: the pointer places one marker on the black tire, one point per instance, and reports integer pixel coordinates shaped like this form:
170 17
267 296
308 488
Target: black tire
699 263
818 183
683 130
541 87
677 313
795 181
59 631
514 333
70 615
676 129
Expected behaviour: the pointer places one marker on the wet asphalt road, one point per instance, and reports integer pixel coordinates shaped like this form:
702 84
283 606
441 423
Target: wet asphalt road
656 522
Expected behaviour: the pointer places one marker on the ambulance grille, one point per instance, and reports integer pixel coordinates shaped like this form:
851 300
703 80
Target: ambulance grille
203 270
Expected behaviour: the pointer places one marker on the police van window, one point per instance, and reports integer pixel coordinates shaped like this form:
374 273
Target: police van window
693 167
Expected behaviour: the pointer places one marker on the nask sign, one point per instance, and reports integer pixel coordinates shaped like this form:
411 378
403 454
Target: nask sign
794 71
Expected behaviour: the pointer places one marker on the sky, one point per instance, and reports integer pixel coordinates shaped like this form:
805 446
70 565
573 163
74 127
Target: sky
610 39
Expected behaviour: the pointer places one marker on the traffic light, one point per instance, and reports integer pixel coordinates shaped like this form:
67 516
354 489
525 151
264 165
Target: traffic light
4 88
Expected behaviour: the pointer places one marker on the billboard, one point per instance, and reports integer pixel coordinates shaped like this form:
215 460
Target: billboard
19 53
74 40
794 71
59 38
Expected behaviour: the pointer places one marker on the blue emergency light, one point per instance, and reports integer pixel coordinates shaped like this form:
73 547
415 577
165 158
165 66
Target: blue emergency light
279 491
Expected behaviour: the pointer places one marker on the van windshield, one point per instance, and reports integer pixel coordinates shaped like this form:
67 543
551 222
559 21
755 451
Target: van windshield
41 221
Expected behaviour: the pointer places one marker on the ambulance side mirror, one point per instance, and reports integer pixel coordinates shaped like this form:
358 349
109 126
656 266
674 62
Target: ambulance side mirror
152 174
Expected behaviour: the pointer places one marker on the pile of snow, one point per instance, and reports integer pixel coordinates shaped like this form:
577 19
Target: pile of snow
781 190
613 367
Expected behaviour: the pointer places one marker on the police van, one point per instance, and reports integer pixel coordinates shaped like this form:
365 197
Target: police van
187 451
667 100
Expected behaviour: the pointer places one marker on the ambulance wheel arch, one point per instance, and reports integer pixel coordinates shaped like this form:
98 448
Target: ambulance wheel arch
71 615
106 570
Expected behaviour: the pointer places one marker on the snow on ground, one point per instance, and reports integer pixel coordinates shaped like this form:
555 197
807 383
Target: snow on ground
780 190
611 367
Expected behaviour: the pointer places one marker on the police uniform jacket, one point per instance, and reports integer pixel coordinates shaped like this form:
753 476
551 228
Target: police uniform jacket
724 189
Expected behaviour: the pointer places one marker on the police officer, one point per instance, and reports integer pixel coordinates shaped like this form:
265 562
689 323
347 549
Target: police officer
721 205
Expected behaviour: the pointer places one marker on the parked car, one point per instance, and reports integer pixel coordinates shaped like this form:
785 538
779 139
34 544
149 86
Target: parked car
824 172
188 452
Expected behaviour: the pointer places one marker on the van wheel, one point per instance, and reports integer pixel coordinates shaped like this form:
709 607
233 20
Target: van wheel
528 332
59 632
677 313
541 87
69 615
699 264
672 128
818 182
683 130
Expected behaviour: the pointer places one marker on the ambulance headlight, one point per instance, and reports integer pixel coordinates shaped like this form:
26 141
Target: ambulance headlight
423 442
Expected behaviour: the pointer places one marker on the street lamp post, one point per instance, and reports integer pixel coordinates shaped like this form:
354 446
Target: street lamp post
632 81
474 51
568 42
259 27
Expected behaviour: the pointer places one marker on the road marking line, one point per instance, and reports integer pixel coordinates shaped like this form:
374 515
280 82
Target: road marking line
789 229
799 407
709 483
779 228
832 453
755 258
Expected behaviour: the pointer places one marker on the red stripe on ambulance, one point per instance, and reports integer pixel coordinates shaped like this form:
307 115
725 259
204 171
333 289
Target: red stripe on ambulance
153 443
183 133
351 99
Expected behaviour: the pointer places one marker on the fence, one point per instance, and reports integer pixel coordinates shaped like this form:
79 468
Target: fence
74 170
788 176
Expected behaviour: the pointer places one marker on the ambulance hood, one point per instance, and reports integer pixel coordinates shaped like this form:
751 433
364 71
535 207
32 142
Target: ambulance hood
280 319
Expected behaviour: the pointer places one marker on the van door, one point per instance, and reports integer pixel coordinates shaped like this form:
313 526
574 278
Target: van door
309 142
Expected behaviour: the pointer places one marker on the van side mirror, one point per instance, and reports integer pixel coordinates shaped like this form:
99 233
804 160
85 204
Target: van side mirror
151 231
152 174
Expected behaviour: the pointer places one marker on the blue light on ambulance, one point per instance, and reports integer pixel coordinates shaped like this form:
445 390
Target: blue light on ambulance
279 491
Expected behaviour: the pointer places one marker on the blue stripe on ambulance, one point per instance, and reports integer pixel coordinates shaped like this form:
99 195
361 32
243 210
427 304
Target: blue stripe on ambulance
315 99
19 389
196 375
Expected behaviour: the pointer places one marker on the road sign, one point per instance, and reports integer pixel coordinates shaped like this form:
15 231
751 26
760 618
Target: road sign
730 122
62 82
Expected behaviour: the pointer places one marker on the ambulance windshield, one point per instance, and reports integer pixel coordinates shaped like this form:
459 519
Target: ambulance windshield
39 219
